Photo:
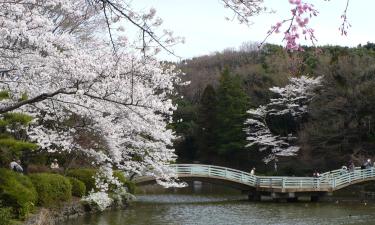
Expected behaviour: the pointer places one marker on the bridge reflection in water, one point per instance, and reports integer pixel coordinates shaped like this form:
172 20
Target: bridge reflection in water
275 187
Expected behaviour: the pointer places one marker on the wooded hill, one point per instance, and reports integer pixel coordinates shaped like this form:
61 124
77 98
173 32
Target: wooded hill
338 126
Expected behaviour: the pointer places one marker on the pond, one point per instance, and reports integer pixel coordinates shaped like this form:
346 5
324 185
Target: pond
208 205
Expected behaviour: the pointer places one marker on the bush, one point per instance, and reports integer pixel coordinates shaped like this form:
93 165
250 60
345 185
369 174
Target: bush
130 185
84 175
17 192
87 177
51 188
5 215
78 187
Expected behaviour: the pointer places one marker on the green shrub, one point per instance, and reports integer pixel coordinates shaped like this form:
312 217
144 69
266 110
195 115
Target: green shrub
78 187
5 215
52 188
87 177
84 175
130 185
17 192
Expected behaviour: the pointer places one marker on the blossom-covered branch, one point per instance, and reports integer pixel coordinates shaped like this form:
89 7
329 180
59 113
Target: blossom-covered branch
291 100
293 28
57 63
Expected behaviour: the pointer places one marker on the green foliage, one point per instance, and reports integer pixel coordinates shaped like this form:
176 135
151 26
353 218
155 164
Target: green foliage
24 97
78 187
52 188
4 95
11 148
16 145
17 118
85 175
13 137
231 114
128 184
17 192
184 123
207 121
5 215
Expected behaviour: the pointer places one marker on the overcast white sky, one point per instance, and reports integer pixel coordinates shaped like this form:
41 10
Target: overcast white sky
203 24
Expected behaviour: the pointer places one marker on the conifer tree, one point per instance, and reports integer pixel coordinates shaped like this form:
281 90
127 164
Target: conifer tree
13 138
231 114
207 121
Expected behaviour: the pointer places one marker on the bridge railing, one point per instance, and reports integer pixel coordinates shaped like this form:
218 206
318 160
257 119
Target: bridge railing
350 177
330 180
215 171
292 182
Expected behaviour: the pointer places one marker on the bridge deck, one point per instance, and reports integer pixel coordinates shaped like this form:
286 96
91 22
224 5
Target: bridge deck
327 182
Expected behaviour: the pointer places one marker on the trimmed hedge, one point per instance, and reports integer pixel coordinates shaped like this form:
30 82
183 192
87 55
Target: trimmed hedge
84 175
78 187
52 188
17 192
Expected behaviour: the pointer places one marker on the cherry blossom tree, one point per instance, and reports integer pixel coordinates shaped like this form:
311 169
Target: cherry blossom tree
291 100
61 58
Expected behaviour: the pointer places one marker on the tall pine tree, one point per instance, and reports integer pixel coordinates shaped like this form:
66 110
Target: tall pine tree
232 105
207 124
13 138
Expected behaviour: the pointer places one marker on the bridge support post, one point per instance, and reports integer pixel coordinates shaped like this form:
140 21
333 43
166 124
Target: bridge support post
314 198
294 199
254 196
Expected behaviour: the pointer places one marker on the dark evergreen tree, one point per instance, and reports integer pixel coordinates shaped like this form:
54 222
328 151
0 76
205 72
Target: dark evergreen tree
206 125
13 138
185 126
231 115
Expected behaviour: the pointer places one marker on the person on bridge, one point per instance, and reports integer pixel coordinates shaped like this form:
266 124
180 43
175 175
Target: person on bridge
344 170
368 164
316 176
351 167
252 172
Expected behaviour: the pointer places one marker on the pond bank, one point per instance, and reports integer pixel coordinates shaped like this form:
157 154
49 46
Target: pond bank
67 211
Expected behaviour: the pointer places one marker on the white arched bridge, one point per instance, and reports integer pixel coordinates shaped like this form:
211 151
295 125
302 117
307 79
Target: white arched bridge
274 186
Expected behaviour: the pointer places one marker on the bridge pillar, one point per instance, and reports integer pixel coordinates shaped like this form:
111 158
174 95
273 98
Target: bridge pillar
314 198
254 196
294 199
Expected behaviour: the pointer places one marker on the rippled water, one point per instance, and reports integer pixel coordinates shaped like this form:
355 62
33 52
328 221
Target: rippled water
224 209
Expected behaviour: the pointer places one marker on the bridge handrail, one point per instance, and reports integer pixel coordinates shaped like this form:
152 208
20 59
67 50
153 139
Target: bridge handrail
218 171
331 180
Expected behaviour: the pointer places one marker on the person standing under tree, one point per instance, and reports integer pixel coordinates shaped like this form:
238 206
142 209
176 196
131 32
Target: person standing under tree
54 164
15 165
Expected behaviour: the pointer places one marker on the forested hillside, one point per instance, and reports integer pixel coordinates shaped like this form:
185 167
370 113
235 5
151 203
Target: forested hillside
336 126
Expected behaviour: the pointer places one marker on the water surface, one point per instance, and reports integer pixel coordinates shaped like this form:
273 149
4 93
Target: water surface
186 207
